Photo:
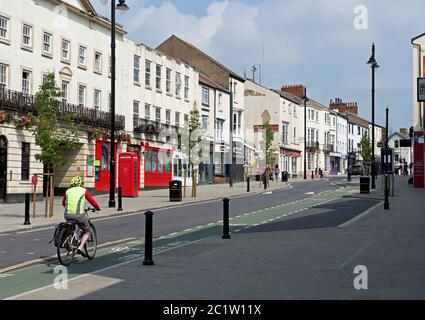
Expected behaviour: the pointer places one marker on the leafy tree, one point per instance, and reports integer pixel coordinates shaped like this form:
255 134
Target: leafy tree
366 150
53 138
268 137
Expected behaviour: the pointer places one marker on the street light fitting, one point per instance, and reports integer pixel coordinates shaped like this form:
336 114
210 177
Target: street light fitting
122 6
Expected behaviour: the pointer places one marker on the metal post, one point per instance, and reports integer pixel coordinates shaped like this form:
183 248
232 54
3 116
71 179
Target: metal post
27 209
247 184
119 199
386 203
231 136
305 133
312 175
148 261
265 180
226 234
112 160
374 65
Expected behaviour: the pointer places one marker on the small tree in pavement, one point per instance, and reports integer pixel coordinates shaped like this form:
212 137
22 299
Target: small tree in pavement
366 151
268 145
52 139
194 142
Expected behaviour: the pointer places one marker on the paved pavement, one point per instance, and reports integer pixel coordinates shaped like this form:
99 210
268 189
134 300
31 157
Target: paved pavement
298 249
12 215
31 245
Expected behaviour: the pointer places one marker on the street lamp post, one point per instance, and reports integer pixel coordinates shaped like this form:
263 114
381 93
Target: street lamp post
386 162
305 133
374 65
231 135
123 7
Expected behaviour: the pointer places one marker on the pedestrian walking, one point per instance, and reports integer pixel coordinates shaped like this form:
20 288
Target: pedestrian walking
276 171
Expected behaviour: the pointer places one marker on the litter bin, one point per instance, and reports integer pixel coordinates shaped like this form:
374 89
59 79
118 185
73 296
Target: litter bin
285 176
365 184
175 191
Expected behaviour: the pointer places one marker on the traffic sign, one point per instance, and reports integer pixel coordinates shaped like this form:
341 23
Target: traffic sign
34 180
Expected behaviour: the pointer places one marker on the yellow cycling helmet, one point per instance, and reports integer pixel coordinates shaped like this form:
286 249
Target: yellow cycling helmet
76 182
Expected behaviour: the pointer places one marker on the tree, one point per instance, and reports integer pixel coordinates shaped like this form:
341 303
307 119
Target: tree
194 143
366 150
52 138
268 145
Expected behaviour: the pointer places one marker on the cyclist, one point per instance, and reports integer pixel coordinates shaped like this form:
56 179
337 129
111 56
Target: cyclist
74 201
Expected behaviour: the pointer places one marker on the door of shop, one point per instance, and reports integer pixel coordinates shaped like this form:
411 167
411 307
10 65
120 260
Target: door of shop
3 168
102 165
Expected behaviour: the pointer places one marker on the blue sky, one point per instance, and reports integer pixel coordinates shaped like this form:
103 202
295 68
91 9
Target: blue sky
313 42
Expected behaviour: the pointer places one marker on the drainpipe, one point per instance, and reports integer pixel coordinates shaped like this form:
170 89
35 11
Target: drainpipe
422 125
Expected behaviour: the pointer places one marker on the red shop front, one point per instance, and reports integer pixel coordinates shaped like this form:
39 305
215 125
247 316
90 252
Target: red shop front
102 165
158 167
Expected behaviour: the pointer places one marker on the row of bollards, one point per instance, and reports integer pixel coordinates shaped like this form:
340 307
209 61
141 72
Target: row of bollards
148 260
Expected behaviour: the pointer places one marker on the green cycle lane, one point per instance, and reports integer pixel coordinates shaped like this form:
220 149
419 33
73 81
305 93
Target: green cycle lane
43 275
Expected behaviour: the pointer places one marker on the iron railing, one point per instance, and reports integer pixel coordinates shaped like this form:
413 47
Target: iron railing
21 103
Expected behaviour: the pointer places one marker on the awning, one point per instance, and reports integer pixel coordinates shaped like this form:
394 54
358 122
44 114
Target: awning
290 152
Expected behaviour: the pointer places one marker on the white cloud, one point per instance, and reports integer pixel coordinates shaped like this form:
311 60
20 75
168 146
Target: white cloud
309 41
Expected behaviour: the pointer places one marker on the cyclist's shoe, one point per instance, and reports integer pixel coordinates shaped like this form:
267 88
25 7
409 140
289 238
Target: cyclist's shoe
80 251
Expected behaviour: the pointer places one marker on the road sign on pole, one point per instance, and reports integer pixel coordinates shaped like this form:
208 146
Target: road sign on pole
421 89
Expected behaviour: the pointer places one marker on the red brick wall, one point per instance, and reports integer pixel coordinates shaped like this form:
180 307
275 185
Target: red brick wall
344 106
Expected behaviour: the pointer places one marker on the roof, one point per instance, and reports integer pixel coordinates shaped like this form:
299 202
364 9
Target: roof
289 96
231 73
404 136
91 13
314 104
352 118
210 82
418 37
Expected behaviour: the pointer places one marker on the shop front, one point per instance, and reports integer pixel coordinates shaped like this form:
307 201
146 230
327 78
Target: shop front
289 161
102 165
158 167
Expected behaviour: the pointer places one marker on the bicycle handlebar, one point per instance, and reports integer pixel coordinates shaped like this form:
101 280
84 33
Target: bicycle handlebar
89 209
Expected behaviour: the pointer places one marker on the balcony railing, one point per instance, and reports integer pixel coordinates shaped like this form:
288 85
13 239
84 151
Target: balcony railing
23 103
329 147
312 145
151 127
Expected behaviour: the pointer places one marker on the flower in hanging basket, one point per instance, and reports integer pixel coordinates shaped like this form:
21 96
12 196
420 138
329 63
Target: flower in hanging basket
95 133
25 122
3 117
124 137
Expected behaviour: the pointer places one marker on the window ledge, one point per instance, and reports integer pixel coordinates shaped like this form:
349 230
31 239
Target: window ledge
66 61
26 48
47 55
148 87
80 66
5 41
97 72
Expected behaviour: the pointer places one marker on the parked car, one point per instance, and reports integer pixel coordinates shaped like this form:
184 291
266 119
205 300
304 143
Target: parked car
358 170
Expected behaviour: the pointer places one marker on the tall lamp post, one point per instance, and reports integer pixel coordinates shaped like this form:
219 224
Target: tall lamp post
231 135
305 133
122 7
374 65
386 163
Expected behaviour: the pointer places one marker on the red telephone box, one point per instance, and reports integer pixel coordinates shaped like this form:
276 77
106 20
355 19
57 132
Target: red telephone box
129 174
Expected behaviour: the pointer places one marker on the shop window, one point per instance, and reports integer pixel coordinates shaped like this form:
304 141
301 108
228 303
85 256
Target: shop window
105 156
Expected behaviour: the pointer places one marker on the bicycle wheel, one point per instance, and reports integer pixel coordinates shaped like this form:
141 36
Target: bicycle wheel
91 244
64 249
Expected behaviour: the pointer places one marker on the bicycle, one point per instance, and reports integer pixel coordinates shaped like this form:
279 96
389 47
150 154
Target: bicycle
69 238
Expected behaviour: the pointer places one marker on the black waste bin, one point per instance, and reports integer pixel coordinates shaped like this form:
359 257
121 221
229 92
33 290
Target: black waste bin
175 191
285 176
365 184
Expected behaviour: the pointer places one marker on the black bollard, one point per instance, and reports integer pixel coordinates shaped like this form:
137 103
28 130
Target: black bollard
247 185
386 192
148 239
312 175
27 209
226 234
265 182
119 199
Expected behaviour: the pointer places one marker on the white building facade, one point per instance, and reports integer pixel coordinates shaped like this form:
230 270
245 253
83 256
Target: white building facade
69 39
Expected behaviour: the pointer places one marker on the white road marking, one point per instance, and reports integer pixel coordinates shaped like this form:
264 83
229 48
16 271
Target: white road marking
30 253
188 229
36 240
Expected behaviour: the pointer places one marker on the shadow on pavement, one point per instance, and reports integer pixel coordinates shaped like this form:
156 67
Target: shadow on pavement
337 213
